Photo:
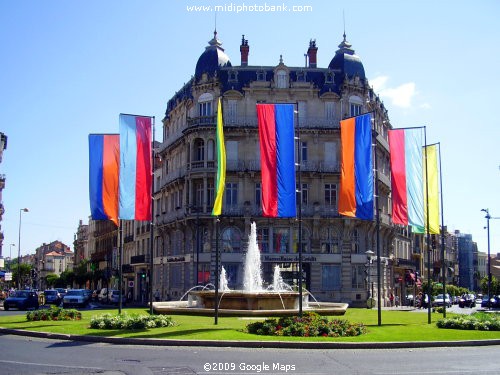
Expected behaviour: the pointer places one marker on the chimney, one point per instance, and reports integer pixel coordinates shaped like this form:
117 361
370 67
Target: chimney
244 49
311 54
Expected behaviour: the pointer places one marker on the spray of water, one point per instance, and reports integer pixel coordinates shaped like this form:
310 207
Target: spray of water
252 274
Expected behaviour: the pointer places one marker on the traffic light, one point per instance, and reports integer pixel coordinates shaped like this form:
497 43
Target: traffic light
143 275
433 241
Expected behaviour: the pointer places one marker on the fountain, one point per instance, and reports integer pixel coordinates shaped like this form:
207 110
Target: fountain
253 300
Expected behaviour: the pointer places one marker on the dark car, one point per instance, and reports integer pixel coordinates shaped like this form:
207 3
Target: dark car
494 302
467 300
22 300
52 296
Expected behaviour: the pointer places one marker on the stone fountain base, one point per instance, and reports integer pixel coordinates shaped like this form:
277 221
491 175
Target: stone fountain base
239 303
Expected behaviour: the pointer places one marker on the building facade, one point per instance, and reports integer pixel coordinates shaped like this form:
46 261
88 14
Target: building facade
334 247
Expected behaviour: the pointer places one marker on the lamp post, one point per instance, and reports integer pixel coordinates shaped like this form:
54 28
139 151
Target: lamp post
19 250
10 255
488 217
369 302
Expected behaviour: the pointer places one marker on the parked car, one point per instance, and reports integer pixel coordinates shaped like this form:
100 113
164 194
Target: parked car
75 298
22 300
467 300
103 295
114 296
494 302
62 291
52 296
439 300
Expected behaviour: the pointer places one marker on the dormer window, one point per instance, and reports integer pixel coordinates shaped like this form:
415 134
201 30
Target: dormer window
261 75
233 76
329 77
355 105
281 79
301 76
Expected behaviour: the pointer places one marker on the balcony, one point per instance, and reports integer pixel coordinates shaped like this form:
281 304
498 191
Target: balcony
139 259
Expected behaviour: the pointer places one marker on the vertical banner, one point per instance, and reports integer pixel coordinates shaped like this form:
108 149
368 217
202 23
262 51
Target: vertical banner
136 175
104 161
433 189
407 185
221 162
356 174
277 151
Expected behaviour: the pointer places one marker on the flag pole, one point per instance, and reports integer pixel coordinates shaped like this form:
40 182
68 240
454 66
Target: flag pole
151 232
427 231
299 162
443 263
377 230
216 296
120 263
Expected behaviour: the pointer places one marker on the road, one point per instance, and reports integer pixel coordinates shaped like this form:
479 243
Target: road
30 356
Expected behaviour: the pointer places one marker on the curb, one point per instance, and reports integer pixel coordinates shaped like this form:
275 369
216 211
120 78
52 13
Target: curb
251 344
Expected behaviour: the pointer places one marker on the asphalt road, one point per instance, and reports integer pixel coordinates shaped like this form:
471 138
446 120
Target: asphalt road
29 356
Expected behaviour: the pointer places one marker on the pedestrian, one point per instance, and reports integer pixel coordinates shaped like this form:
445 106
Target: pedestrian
396 299
157 295
391 299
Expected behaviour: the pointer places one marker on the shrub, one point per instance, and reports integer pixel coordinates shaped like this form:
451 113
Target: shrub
54 313
310 324
477 321
133 321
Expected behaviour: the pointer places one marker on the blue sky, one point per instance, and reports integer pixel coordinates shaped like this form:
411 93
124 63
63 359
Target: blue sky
68 68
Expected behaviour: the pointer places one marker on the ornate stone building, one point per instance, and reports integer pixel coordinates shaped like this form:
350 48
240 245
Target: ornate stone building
334 247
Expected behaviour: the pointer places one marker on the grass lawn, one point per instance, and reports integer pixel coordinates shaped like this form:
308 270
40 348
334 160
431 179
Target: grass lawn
396 326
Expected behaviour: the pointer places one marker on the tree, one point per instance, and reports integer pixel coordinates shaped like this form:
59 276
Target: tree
81 273
51 279
495 286
25 272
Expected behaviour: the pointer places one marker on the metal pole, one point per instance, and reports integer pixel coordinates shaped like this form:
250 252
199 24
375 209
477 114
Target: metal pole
429 310
120 263
19 250
442 234
299 162
216 296
379 276
151 235
489 258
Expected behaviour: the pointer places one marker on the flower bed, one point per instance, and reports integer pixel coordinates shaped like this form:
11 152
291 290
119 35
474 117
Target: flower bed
309 325
134 321
477 321
54 313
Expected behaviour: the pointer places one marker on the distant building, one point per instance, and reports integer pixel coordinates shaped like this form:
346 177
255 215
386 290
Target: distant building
467 262
52 258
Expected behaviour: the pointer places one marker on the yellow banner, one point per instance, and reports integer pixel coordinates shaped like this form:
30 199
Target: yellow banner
432 189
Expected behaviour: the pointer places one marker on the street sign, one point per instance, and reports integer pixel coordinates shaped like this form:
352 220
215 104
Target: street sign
8 276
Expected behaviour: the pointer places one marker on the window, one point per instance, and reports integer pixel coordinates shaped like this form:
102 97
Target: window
281 240
355 241
355 105
304 240
231 194
261 75
330 277
231 240
258 194
329 110
358 279
205 104
176 275
304 193
355 109
303 151
263 239
330 241
210 193
199 194
281 79
199 150
231 111
232 151
301 76
331 195
329 77
177 243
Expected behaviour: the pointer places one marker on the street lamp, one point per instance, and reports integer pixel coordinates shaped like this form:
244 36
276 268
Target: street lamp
369 302
10 255
19 250
488 217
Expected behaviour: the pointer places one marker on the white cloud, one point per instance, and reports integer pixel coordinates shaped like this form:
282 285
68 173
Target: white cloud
400 96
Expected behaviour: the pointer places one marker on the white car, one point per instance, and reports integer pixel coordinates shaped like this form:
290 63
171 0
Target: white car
114 296
440 301
75 298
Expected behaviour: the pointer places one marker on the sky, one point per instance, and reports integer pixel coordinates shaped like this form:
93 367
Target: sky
68 68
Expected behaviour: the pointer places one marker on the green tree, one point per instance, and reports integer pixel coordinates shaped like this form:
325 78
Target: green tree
25 271
495 285
51 279
66 279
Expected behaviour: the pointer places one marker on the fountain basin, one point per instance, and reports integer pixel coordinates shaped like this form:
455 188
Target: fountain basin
243 300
